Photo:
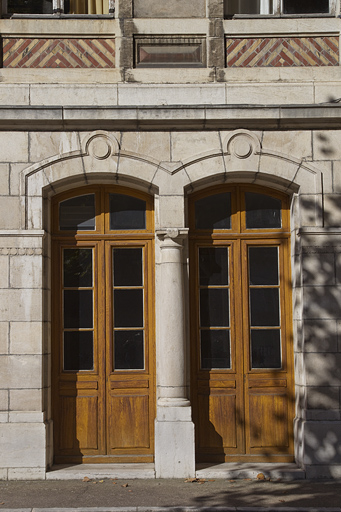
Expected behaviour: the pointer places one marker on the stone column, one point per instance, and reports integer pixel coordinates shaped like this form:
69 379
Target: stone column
174 429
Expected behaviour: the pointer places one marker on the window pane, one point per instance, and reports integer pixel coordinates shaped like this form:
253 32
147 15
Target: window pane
30 7
128 308
248 7
263 265
77 267
214 307
264 306
266 348
305 6
78 309
213 212
78 351
213 266
127 212
215 349
77 213
129 350
127 267
262 211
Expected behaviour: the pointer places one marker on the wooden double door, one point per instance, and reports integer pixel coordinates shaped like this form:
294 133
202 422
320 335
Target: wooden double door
242 355
103 370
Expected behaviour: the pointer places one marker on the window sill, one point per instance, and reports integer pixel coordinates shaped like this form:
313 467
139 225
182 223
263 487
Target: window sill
278 16
60 16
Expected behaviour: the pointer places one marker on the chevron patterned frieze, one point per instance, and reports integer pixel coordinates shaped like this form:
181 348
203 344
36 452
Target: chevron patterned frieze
58 53
282 51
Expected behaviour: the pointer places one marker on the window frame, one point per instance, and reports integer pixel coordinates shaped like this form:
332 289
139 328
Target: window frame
57 12
278 12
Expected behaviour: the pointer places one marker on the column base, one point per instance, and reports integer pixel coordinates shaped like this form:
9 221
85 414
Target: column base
174 443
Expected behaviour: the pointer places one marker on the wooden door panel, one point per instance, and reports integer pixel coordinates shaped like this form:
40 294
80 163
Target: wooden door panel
128 422
217 421
67 423
87 422
268 421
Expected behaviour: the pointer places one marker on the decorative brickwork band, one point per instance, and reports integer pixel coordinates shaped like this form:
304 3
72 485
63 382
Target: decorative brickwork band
58 53
282 52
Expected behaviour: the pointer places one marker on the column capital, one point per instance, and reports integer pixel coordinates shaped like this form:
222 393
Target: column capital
172 233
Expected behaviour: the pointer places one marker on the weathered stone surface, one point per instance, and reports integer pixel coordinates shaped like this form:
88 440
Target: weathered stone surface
174 9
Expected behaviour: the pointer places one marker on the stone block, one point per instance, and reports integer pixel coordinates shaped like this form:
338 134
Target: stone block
47 144
20 305
10 215
70 94
26 474
322 415
209 171
25 399
14 146
26 417
322 302
323 471
337 177
16 94
323 369
4 417
318 269
171 211
332 210
323 398
269 94
3 400
15 176
322 440
34 213
143 95
138 171
174 9
167 183
320 335
4 269
326 145
16 451
215 8
4 341
4 179
4 475
20 372
174 449
293 143
26 271
310 210
149 145
187 146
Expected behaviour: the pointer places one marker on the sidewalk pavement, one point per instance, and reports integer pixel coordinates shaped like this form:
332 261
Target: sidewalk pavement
153 495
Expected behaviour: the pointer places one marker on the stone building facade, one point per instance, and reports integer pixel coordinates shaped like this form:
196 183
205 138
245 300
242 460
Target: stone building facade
170 241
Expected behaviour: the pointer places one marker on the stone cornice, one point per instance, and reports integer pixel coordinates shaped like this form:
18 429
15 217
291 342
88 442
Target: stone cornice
193 117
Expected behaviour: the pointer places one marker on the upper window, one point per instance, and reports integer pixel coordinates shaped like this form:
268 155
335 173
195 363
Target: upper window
239 209
32 7
276 7
102 210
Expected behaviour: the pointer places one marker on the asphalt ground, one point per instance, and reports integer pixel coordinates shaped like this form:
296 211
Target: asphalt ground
260 494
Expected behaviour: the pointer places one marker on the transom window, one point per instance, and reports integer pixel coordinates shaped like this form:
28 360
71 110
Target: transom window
277 7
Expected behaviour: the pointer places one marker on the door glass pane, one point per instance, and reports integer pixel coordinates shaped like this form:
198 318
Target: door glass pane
214 307
266 348
262 211
77 268
263 265
305 6
264 306
128 308
215 349
78 350
127 267
213 212
78 311
77 213
129 349
213 266
127 212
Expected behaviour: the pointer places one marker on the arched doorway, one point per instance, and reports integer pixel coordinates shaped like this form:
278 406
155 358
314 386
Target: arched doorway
102 325
241 334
